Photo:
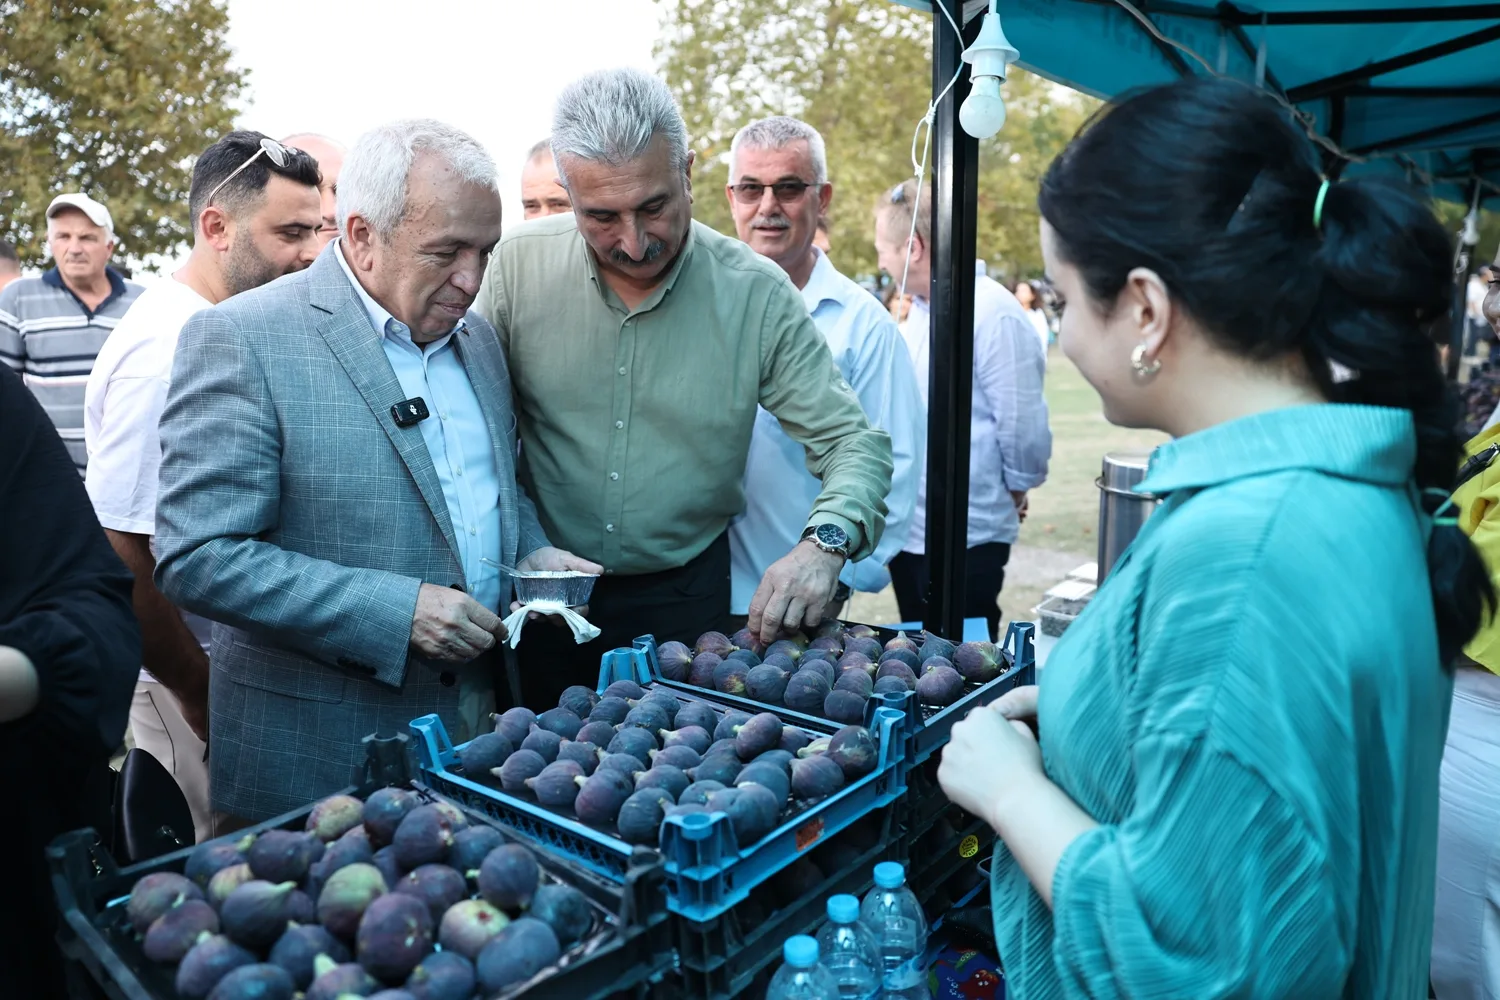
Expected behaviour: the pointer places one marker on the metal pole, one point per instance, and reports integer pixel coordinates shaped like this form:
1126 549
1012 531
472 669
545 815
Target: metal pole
1459 316
951 377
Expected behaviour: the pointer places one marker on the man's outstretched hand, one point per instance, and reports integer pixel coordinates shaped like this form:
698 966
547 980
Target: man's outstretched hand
549 559
794 591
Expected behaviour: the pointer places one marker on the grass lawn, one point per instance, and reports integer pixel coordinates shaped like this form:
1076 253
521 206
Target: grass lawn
1061 532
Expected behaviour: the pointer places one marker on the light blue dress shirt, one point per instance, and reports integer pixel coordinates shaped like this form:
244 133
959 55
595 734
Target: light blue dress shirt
1010 442
779 491
457 439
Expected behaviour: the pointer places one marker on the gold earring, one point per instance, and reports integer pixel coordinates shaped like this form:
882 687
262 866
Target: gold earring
1138 362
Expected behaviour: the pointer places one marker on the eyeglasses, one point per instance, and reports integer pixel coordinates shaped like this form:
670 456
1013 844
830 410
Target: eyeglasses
786 192
275 152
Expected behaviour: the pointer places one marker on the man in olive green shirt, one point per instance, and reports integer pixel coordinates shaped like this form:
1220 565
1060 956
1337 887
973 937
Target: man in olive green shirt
640 344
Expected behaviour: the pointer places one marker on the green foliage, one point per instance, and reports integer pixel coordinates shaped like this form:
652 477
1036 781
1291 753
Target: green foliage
113 98
860 72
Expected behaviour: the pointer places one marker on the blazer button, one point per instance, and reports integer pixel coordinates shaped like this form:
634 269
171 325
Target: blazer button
446 678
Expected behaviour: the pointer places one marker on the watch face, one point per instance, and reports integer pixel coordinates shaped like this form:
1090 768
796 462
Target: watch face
832 536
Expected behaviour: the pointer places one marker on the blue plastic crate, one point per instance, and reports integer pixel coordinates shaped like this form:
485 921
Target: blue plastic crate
925 728
707 870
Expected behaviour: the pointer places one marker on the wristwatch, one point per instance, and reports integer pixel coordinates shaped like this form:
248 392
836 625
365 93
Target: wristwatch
829 538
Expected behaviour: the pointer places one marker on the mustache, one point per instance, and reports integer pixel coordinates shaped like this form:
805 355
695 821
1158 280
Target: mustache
770 222
653 250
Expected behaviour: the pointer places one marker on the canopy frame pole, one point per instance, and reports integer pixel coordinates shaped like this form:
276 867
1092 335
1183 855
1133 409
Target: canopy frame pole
954 207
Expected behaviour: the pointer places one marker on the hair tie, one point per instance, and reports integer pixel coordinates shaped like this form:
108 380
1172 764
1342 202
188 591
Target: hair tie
1318 205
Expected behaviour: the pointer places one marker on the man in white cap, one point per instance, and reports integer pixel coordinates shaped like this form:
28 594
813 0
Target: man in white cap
51 328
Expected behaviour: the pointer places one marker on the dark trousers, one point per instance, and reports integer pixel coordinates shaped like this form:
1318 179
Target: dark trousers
680 604
984 575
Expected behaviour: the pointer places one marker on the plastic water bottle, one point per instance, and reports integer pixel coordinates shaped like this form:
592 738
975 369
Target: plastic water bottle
896 921
802 977
848 950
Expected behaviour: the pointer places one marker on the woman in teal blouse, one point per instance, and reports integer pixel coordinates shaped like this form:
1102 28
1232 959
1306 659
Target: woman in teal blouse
1235 790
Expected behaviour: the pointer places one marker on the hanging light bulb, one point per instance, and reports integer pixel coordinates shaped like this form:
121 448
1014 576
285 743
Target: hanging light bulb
983 111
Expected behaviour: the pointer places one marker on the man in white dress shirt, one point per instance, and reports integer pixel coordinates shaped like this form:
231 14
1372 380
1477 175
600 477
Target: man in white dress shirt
778 191
255 217
1009 440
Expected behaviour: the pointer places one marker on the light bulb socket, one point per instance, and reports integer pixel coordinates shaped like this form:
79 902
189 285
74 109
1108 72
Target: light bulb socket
991 53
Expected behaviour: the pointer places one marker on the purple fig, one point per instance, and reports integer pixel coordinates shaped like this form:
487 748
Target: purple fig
714 642
601 795
857 661
443 975
730 677
208 859
853 749
774 777
649 716
901 655
667 777
782 647
385 861
519 768
674 659
423 837
701 672
978 662
153 895
640 816
257 982
472 846
384 810
720 767
627 764
173 934
940 684
900 670
781 758
544 742
334 981
829 643
845 706
635 741
509 876
298 948
815 777
793 739
684 757
806 691
520 951
597 733
555 787
756 735
578 699
753 812
281 855
225 881
696 713
394 934
627 689
564 909
585 755
514 724
468 925
438 886
483 754
767 683
560 721
934 645
867 646
257 913
610 710
692 736
728 726
209 961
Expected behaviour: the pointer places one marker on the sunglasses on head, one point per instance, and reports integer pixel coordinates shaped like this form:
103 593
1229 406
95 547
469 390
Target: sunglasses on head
273 150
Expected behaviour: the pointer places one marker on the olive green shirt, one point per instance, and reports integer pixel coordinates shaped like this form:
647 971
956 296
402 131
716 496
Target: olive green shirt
635 424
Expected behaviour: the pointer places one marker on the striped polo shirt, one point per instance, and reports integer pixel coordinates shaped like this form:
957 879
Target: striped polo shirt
50 338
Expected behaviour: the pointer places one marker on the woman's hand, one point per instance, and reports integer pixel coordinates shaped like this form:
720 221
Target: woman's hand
992 757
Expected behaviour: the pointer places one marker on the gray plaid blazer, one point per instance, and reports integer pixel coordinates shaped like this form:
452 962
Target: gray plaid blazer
295 514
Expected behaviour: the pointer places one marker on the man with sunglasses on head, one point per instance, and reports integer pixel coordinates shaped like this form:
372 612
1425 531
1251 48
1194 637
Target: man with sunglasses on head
641 344
779 194
254 210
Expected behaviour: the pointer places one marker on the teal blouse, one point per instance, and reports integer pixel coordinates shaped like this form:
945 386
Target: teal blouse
1253 711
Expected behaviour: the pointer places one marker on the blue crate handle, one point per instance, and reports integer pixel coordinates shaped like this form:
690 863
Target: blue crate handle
637 663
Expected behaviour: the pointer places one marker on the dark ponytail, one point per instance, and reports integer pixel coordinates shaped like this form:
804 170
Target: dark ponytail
1209 183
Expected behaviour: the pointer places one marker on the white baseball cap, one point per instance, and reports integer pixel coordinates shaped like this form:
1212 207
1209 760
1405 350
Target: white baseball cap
97 213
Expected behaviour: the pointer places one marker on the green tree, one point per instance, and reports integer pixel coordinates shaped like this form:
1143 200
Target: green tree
860 72
112 98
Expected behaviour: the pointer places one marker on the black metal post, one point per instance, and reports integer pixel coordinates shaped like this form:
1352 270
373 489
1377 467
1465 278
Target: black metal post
951 376
1459 317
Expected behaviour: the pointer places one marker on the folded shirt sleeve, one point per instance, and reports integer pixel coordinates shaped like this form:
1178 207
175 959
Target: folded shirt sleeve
1211 887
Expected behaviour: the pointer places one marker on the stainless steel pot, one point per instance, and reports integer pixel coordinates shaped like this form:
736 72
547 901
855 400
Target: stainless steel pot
1122 511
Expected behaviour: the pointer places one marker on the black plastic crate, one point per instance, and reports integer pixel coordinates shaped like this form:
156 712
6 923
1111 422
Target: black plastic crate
926 727
628 951
732 955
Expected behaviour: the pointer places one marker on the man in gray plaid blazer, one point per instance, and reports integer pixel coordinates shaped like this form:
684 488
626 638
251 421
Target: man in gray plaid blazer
348 547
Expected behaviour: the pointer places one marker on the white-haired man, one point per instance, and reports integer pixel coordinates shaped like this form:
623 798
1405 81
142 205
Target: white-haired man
52 327
542 193
337 481
641 343
779 193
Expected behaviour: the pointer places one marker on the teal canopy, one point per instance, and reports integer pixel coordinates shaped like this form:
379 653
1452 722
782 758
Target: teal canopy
1404 86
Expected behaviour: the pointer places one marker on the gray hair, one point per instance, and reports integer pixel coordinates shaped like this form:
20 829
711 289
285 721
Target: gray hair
778 133
541 149
611 116
372 184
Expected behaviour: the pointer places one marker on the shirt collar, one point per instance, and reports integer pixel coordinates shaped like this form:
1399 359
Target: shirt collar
822 284
1375 444
54 278
381 320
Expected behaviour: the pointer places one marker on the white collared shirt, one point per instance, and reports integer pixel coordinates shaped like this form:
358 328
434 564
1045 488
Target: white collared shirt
457 438
779 491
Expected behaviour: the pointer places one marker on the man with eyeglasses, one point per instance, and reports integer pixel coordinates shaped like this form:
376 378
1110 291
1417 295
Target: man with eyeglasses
779 194
254 209
640 344
1010 442
52 327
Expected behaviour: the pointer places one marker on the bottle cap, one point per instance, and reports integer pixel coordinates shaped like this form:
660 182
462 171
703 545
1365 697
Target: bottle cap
843 909
890 875
800 951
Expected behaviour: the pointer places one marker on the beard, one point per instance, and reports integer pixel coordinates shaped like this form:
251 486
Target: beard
245 267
